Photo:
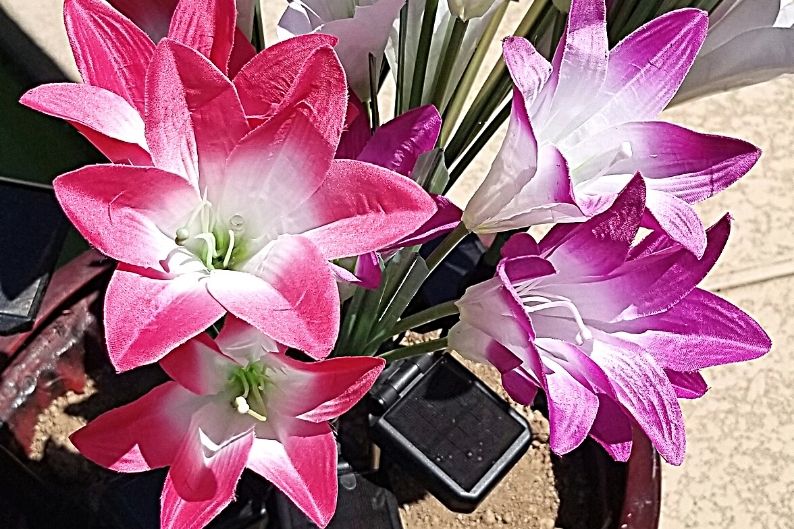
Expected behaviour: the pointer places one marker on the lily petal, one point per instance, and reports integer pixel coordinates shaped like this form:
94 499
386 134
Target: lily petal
168 312
528 68
302 465
110 51
207 26
288 292
198 365
677 219
193 116
687 385
572 409
152 17
361 208
105 118
142 435
127 211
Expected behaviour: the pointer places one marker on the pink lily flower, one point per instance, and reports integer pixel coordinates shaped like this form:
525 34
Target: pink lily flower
612 333
113 54
234 404
582 125
234 219
397 145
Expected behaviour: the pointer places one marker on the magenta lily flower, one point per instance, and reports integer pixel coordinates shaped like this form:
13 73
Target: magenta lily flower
234 404
232 218
113 53
397 145
613 334
582 125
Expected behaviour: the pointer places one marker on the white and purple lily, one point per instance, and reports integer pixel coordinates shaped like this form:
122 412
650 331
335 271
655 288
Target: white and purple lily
749 41
613 333
581 127
233 217
235 403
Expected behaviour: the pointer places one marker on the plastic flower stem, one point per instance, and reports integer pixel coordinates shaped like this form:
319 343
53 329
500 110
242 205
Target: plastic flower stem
462 90
479 143
422 53
430 315
374 112
667 6
448 244
349 322
445 70
475 116
415 350
258 35
706 5
642 14
399 101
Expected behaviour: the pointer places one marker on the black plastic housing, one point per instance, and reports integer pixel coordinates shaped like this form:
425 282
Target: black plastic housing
32 231
448 429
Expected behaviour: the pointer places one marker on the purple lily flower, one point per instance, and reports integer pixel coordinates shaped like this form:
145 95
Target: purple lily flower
582 125
613 333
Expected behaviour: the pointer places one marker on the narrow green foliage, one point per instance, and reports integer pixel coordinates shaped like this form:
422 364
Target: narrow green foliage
422 53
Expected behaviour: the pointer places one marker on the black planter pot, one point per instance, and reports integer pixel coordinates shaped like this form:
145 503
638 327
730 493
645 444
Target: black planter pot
66 342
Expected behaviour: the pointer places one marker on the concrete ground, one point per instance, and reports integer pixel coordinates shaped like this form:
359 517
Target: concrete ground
739 471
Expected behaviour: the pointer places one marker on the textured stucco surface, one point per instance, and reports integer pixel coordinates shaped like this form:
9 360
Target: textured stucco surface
739 471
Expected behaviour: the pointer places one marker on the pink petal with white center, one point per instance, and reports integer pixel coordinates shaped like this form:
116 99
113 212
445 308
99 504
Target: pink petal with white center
528 68
646 286
612 429
688 164
129 213
301 462
643 389
599 245
702 330
687 385
320 391
152 17
272 171
110 51
142 435
214 449
105 118
572 408
677 219
524 186
227 465
647 67
520 385
147 317
244 343
206 26
398 144
288 292
199 366
361 208
520 245
265 83
582 69
193 116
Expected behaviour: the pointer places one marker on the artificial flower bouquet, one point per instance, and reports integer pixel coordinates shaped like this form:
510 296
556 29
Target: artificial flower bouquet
268 227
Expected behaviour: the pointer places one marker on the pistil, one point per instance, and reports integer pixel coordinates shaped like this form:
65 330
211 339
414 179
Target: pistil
538 303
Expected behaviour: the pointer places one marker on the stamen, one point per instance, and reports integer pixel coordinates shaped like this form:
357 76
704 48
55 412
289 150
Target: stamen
546 303
182 235
210 240
244 409
228 255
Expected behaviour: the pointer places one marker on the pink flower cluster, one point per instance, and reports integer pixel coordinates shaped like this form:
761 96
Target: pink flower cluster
240 180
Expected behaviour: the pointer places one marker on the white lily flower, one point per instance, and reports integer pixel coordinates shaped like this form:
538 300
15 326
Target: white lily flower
749 42
468 9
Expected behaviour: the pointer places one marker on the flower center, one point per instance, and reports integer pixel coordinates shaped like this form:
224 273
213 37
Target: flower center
218 244
535 303
248 386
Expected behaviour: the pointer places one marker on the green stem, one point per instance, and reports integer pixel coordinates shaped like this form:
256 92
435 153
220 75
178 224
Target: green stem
399 101
706 5
373 95
463 89
447 245
426 316
479 143
445 68
422 53
415 350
